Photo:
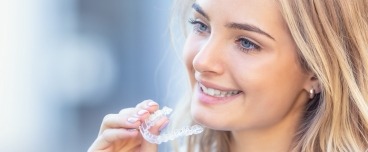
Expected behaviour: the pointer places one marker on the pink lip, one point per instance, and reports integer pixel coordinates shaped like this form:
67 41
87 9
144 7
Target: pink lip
207 99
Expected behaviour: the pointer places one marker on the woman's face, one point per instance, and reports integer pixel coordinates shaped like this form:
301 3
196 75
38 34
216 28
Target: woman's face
243 66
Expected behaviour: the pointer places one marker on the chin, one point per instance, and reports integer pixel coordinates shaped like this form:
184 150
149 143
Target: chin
204 117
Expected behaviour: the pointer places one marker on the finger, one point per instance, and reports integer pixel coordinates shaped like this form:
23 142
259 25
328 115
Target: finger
109 136
161 124
142 114
149 105
127 111
120 121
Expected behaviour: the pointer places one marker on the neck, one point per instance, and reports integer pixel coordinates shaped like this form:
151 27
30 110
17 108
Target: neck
262 141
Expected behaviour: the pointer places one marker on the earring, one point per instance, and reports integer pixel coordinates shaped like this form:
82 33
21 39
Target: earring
311 93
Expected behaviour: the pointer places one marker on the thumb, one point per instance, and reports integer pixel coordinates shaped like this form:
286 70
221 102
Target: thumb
151 147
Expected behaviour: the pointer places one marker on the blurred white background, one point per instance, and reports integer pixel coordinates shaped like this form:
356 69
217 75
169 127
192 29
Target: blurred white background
64 64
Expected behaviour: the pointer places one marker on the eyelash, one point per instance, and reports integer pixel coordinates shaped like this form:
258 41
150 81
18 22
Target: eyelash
196 27
252 46
197 24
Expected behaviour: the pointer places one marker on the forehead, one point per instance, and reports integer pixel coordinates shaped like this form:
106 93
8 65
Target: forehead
240 7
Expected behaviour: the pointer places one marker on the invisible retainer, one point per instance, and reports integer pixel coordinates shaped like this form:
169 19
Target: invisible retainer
164 137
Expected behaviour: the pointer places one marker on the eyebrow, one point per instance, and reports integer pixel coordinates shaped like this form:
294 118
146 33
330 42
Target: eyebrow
248 27
199 9
240 26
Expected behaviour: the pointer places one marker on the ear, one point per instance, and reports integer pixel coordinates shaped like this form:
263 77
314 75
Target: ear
312 83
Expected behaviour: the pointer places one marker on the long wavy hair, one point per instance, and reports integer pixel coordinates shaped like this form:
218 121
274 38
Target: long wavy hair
332 41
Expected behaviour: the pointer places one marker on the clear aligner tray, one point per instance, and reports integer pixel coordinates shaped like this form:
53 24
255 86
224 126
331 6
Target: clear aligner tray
164 137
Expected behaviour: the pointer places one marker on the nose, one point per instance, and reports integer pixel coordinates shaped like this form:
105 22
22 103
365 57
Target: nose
209 59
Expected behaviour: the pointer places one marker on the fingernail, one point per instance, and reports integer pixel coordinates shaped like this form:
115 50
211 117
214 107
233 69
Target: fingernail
132 120
142 112
132 130
164 125
152 103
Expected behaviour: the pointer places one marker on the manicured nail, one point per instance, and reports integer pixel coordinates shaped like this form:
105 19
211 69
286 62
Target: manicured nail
132 120
142 112
132 130
152 103
164 125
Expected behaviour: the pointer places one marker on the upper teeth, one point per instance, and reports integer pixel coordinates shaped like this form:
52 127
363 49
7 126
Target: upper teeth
217 93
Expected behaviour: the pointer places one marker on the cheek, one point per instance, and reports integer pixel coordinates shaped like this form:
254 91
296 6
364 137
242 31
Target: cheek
272 87
190 50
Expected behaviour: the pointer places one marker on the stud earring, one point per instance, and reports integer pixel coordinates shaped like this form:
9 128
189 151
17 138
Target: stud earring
311 93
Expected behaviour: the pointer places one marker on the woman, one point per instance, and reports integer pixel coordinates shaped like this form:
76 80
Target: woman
267 75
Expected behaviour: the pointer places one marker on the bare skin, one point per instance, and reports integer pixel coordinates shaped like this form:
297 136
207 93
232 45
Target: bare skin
119 132
245 46
243 53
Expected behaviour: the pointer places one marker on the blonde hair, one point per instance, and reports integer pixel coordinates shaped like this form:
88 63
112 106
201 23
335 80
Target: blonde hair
332 41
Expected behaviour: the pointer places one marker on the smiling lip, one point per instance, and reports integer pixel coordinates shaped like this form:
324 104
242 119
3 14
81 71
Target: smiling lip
215 94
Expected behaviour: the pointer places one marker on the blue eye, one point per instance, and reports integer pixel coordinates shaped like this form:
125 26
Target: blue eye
198 26
247 45
202 27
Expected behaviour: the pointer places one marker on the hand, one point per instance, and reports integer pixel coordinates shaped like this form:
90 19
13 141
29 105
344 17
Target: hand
119 132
